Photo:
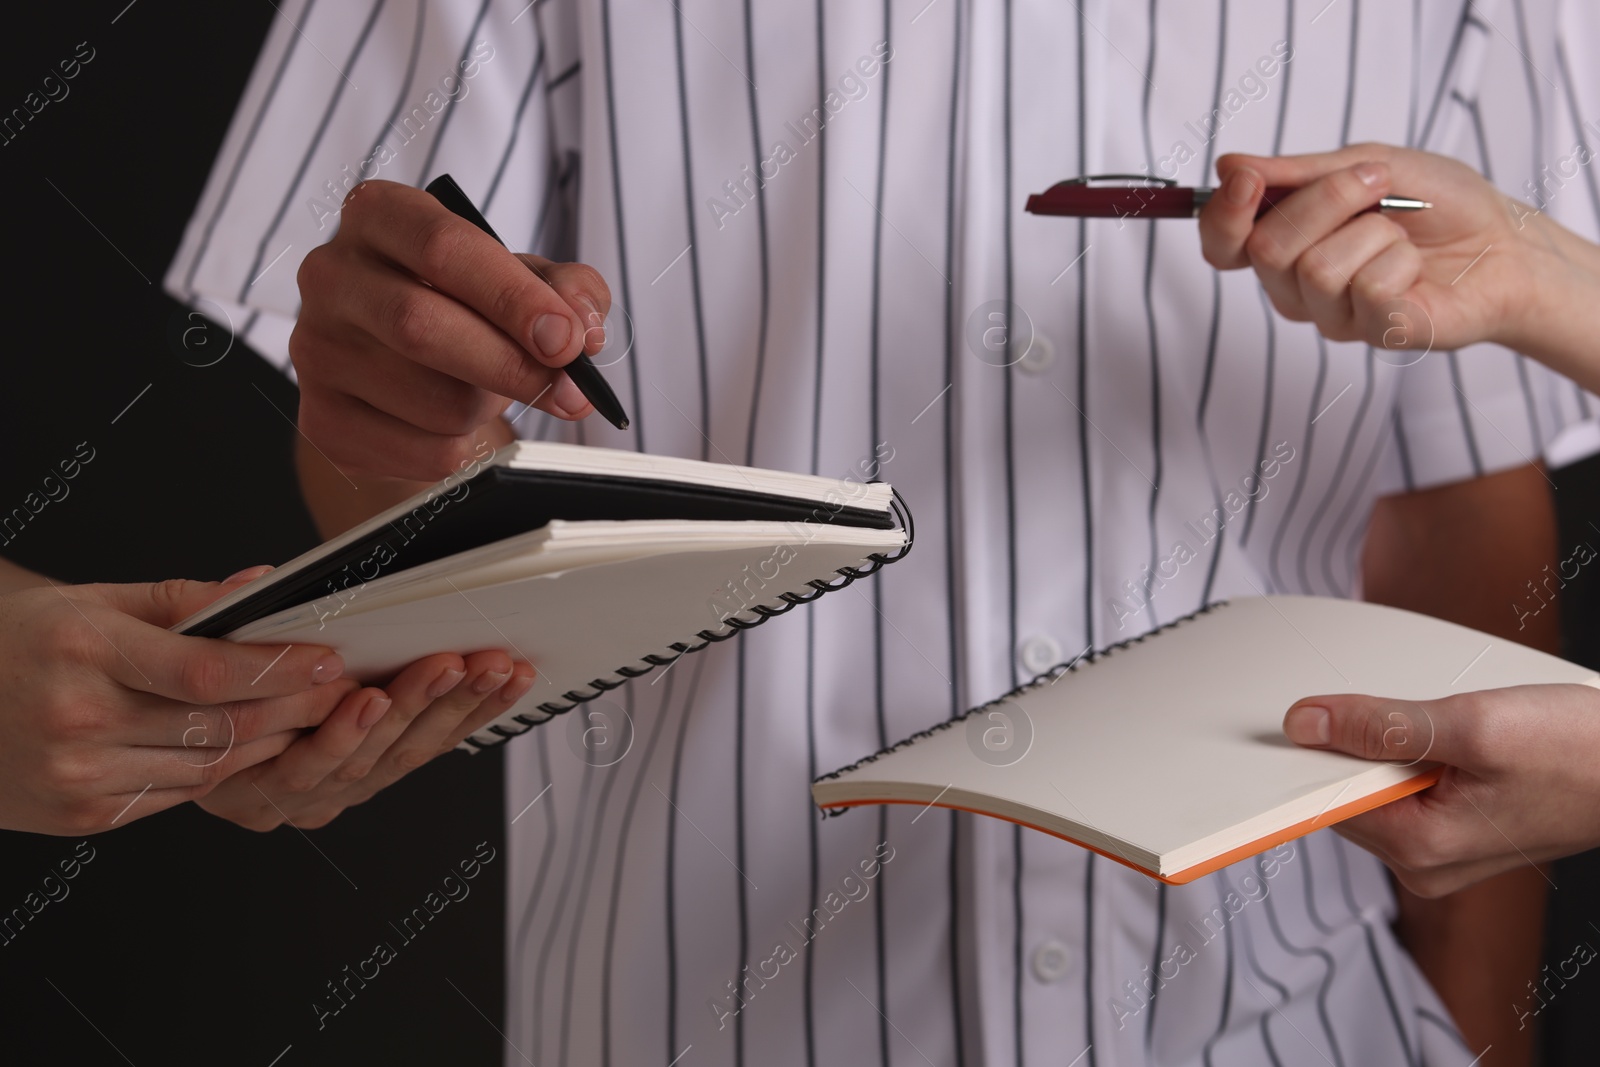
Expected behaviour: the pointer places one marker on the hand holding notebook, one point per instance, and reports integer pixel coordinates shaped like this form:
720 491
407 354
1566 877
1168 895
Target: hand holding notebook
591 564
1166 753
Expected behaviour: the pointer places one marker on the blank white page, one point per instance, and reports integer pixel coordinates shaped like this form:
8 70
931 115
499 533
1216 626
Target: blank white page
1170 752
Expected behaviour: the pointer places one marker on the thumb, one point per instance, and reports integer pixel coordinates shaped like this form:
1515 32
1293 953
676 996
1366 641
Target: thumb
164 604
1376 728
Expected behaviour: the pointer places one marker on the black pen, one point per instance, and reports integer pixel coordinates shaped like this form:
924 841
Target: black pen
582 370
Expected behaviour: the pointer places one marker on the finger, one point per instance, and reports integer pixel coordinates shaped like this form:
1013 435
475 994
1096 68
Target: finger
306 765
163 604
411 692
413 230
159 723
585 292
172 768
1400 844
1377 728
517 686
200 670
1383 279
1226 222
1295 225
411 392
1327 271
354 433
1300 170
422 740
426 324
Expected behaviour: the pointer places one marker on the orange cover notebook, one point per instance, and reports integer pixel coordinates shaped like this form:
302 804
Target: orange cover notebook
1166 753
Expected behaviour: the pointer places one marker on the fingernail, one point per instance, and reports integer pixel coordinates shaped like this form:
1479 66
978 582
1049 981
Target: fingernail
249 574
1242 186
516 689
1371 174
1307 725
488 683
551 334
327 669
445 682
377 704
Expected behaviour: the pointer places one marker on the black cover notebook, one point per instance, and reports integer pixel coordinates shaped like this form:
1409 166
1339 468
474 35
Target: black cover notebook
594 565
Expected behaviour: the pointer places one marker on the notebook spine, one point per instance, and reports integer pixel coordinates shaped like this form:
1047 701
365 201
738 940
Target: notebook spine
517 725
1038 681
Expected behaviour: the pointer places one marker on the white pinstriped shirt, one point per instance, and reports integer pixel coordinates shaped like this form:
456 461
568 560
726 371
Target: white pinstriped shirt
808 212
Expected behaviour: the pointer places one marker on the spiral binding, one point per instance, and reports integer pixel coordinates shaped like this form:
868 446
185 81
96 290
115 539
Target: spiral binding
736 625
1038 681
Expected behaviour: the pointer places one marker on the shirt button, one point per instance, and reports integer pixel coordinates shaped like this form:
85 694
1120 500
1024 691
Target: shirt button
1050 961
1040 356
1039 653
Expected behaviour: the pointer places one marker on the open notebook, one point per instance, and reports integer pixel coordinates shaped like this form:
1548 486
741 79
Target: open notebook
594 565
1167 753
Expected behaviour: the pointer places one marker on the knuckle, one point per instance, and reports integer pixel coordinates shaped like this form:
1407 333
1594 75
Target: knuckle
261 821
320 419
204 677
1215 252
360 192
314 356
513 374
317 820
66 720
438 245
313 272
61 634
72 775
170 595
1478 732
1266 249
584 278
515 304
1292 310
354 210
411 318
213 772
243 721
84 816
1318 273
1368 737
301 782
1349 191
352 772
411 758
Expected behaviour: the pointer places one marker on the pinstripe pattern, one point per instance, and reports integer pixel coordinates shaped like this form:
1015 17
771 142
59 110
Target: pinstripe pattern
823 312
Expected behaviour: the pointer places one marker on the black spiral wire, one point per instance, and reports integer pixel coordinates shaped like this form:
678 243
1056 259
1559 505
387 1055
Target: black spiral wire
734 625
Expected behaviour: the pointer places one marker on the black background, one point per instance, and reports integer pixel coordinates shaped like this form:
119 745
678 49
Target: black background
187 940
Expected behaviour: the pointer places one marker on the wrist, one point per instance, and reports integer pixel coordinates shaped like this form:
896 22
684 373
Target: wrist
1556 311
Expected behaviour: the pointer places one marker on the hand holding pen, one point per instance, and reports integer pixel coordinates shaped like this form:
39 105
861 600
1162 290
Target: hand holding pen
418 330
1462 270
1442 278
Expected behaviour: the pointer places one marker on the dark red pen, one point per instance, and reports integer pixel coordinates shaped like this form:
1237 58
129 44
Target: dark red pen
1139 196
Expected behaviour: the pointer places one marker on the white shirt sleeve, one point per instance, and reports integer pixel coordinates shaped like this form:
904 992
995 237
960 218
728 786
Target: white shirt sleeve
391 91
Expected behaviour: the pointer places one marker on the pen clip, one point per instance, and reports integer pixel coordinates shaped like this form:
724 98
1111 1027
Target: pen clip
1120 179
